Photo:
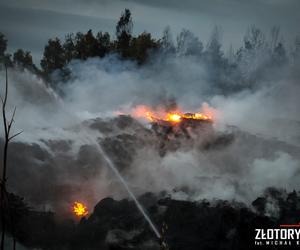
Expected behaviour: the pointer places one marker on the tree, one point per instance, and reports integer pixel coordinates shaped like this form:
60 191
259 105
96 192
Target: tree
7 124
255 45
140 47
254 38
104 43
220 71
188 43
166 41
79 46
54 56
3 45
23 59
279 55
69 47
86 45
124 24
123 33
213 50
4 57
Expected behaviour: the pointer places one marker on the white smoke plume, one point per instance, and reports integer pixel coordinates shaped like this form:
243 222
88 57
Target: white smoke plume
263 153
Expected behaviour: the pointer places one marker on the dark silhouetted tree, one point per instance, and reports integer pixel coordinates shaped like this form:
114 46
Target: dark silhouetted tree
104 44
3 45
123 33
54 56
23 60
79 45
141 46
4 200
125 24
69 47
4 57
86 45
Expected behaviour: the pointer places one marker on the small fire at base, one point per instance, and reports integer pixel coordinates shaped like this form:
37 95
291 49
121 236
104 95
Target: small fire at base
80 209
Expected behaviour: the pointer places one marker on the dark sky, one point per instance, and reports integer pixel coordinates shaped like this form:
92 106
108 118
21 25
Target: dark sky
29 24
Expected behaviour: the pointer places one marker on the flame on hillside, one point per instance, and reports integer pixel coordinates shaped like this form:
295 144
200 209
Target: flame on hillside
174 116
79 209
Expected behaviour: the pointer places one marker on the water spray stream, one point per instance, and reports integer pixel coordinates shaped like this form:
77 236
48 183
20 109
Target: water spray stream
112 166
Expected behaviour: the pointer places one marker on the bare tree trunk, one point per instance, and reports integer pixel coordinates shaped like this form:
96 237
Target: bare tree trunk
3 177
3 212
7 138
2 218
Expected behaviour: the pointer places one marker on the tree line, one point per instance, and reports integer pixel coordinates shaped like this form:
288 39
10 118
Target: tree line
243 65
57 54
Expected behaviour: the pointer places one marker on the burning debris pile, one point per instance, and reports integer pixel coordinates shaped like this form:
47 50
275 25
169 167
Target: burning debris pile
176 124
171 117
175 129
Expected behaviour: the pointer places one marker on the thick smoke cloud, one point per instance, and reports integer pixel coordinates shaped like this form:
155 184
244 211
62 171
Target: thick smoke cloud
53 150
108 85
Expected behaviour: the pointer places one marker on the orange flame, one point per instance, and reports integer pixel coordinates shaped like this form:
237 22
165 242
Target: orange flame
175 116
197 116
80 209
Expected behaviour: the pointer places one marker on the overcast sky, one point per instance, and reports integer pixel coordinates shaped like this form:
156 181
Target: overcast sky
28 24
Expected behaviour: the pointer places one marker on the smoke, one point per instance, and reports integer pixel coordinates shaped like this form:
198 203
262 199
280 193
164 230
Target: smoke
283 170
53 154
271 112
112 83
230 174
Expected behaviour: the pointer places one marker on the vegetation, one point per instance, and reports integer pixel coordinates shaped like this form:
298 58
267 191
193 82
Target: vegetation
244 66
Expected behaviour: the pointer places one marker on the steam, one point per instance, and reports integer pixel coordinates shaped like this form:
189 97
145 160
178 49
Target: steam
67 166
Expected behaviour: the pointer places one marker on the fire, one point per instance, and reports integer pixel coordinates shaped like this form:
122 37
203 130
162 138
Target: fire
197 116
175 116
80 209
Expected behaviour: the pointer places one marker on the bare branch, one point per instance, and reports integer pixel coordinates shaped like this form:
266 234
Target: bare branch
15 135
6 86
7 138
4 104
11 120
